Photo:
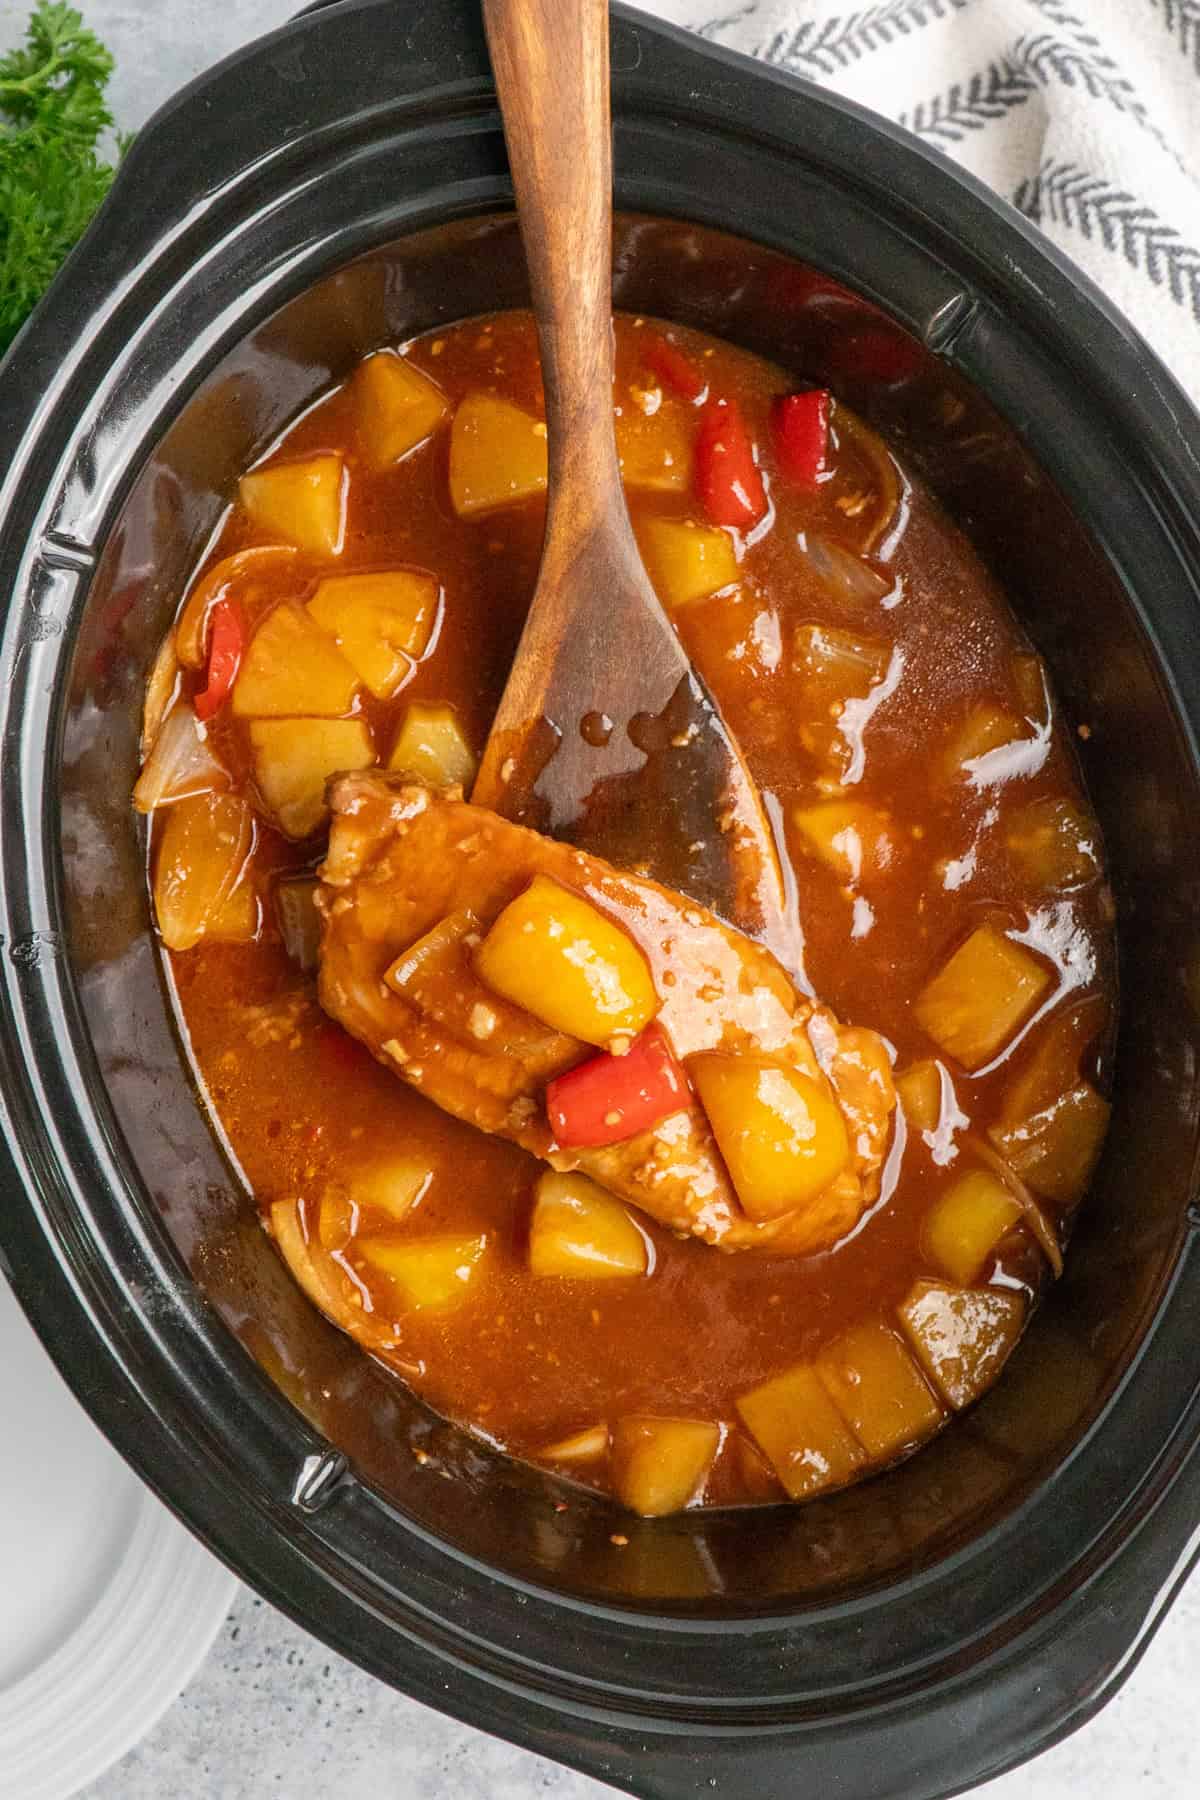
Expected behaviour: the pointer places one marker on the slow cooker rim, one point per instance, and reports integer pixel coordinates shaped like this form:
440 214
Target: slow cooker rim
51 1269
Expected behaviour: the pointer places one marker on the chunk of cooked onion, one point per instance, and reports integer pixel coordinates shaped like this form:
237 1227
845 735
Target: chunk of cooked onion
181 764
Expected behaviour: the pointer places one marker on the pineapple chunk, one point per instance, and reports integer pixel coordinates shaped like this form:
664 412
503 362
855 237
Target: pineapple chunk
1053 843
1055 1150
962 1336
976 1001
397 408
835 667
967 1222
686 561
1053 1065
293 760
299 920
584 1446
430 747
391 1186
781 1133
560 958
985 728
430 1274
293 669
838 665
796 1424
655 449
854 839
302 502
579 1230
201 855
919 1091
381 623
878 1389
497 455
658 1465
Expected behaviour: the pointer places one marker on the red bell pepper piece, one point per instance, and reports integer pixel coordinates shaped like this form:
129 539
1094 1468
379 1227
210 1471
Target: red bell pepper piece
226 641
800 424
674 369
728 483
609 1098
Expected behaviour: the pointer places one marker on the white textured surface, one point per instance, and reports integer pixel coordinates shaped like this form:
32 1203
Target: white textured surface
272 1712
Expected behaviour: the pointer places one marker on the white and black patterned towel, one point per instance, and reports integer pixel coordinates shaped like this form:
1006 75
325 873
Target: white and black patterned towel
1085 114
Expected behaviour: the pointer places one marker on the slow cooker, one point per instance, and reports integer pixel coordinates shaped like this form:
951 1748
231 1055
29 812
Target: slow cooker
342 184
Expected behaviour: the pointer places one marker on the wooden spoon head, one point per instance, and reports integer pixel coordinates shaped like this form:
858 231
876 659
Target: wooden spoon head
607 738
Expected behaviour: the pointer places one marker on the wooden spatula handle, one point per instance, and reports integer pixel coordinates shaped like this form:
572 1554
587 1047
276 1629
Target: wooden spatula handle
551 63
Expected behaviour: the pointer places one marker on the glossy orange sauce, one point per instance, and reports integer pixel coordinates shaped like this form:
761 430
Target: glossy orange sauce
524 1361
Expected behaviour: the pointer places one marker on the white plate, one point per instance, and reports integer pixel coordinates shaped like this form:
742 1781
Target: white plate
108 1605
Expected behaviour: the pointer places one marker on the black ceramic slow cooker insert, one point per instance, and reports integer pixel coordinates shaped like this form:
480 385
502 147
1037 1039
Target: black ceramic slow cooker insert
342 184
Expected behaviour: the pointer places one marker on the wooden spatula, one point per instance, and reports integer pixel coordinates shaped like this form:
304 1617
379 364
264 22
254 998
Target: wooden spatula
604 735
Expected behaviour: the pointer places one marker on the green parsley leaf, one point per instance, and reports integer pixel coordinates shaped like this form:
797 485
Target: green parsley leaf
52 177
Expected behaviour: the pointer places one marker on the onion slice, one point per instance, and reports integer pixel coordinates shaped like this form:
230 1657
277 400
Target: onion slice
191 633
181 764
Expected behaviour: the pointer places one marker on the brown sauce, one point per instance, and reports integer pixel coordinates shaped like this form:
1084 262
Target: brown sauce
1007 842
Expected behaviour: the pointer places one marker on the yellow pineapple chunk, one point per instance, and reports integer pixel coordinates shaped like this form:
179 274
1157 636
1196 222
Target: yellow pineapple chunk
964 1226
201 855
579 1230
302 502
878 1389
390 1186
1054 843
686 561
560 958
1053 1063
658 1465
838 665
497 455
585 1446
380 622
1054 1150
781 1132
796 1424
293 760
397 408
655 449
976 1001
432 747
984 728
293 669
919 1090
835 667
854 839
429 1274
962 1336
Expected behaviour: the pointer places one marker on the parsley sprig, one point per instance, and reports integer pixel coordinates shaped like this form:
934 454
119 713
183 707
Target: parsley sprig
52 178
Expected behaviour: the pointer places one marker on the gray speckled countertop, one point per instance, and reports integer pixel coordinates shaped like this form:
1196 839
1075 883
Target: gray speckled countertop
272 1711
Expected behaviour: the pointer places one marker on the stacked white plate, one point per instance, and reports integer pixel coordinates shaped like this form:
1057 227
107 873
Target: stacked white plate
107 1604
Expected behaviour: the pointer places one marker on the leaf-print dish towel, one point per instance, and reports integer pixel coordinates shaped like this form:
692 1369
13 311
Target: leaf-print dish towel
1085 114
